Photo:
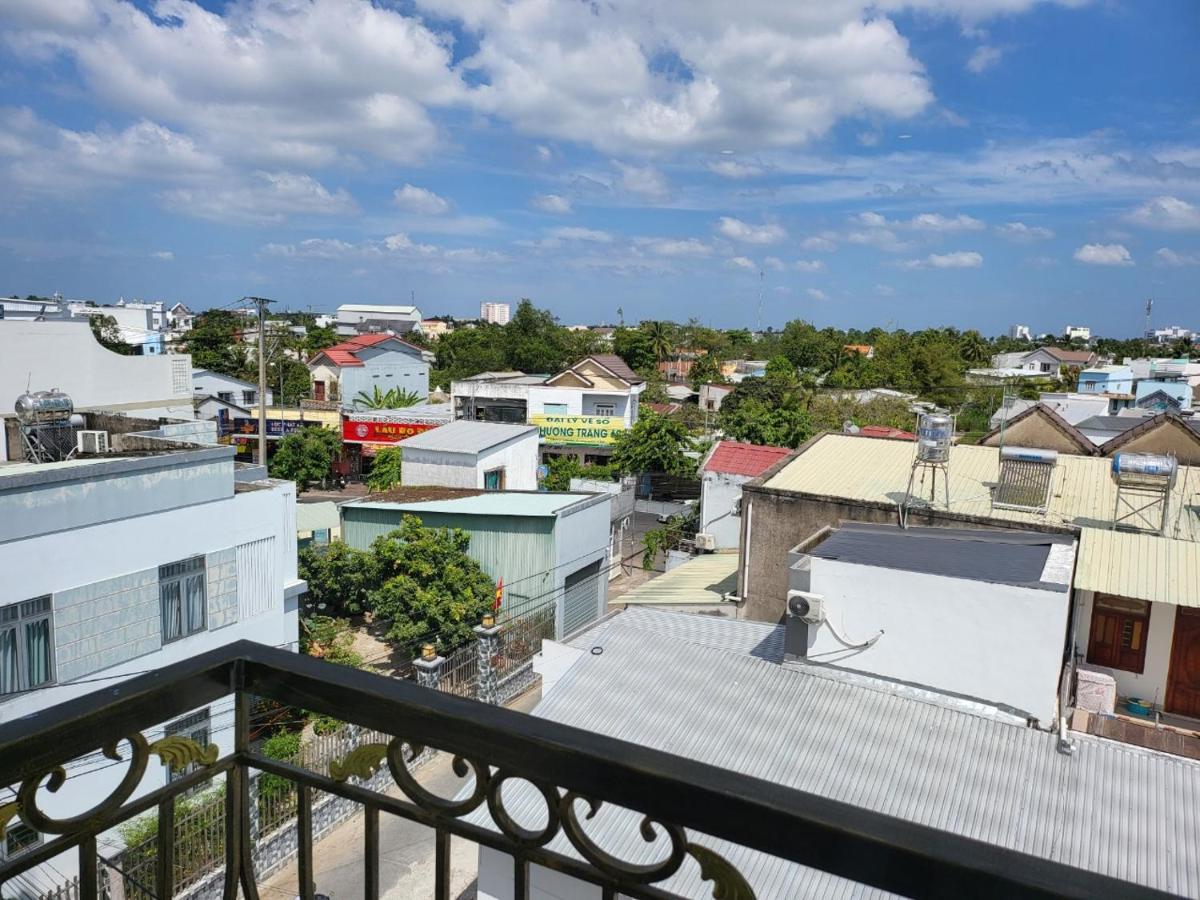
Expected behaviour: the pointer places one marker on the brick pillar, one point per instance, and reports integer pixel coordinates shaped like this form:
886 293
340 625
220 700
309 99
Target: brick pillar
488 640
255 818
429 667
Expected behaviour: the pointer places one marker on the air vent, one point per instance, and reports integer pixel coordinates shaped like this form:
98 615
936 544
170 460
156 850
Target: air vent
91 441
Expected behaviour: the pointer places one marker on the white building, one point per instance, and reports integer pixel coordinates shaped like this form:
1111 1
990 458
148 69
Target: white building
725 469
356 318
141 325
1020 333
121 564
494 313
978 614
65 355
1170 334
226 388
483 455
1077 333
50 308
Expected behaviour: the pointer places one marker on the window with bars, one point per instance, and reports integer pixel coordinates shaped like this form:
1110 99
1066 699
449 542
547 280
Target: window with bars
249 397
26 646
198 727
605 409
18 838
184 599
1119 630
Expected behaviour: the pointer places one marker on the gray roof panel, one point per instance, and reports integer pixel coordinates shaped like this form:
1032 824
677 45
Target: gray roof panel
463 436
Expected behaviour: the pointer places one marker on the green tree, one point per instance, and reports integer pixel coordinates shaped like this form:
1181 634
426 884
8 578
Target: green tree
318 338
430 589
654 444
340 578
108 335
215 343
770 410
306 456
534 342
974 347
633 346
392 398
706 370
385 470
661 339
283 372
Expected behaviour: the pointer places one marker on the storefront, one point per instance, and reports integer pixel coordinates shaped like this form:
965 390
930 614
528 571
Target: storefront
364 434
589 439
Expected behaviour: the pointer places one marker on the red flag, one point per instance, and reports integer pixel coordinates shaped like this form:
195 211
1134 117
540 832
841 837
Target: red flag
499 595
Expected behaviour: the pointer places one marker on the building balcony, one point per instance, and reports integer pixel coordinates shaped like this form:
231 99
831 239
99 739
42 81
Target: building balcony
684 807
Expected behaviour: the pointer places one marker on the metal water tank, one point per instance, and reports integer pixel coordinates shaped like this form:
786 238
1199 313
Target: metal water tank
1150 466
1029 454
44 408
935 436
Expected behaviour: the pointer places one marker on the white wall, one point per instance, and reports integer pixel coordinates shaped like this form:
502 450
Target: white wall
518 458
994 642
66 356
205 382
496 880
1151 683
580 539
719 493
438 467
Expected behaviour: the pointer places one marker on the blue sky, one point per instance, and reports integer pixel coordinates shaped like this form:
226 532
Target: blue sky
905 162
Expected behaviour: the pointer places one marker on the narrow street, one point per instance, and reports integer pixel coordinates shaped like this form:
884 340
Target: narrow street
405 848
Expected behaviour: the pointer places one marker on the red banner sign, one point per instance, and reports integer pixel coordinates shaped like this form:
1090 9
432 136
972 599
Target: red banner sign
381 432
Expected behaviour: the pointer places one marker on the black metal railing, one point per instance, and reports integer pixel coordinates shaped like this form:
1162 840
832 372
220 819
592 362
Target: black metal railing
684 803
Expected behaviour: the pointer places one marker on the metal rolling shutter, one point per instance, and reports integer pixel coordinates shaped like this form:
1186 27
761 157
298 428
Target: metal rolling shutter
581 598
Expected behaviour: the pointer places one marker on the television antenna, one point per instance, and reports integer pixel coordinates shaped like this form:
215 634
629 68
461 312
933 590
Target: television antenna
1149 309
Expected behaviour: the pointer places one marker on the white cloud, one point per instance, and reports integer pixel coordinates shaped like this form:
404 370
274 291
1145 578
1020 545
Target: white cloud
984 58
819 244
958 259
645 181
884 290
1104 255
544 153
265 197
737 230
946 224
394 248
732 168
555 204
1165 256
164 255
816 293
742 262
420 200
1019 231
1167 213
808 265
774 263
673 247
572 233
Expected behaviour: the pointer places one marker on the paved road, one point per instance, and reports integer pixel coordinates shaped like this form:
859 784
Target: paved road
405 849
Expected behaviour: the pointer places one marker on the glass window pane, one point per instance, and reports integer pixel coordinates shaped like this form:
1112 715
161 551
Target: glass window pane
195 603
172 610
9 671
37 652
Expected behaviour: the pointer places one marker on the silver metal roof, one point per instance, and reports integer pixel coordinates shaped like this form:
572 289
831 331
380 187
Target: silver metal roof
465 436
1110 808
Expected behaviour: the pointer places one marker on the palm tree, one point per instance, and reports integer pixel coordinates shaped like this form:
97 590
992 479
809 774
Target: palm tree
659 336
973 346
392 398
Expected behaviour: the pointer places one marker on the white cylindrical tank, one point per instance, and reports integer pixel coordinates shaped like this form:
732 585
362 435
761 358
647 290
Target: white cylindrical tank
935 436
1147 465
44 408
1029 454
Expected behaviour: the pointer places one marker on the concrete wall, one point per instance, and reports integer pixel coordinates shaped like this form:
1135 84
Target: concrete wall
994 642
1035 431
66 356
438 467
519 458
385 369
773 522
719 494
1151 683
1169 437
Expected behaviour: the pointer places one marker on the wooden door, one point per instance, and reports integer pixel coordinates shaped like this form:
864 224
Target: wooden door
1183 678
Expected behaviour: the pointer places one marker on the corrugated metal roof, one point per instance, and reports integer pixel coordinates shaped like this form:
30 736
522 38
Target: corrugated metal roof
702 579
489 503
1082 493
1141 566
1109 808
464 436
759 639
735 458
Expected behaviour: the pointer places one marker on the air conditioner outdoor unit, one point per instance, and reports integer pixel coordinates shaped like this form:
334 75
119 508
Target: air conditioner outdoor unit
705 541
806 606
91 442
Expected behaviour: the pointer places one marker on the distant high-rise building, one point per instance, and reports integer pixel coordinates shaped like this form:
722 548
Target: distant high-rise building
1078 332
1020 332
495 313
1170 334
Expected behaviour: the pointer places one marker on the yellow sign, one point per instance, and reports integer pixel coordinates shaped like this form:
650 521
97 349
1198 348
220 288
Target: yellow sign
587 431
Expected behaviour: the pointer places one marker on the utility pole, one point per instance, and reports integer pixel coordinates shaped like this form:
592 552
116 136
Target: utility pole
261 304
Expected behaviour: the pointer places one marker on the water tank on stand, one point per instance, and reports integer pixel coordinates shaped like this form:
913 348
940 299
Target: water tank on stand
935 436
51 407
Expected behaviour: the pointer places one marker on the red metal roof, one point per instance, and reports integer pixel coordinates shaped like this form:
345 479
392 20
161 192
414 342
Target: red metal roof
886 431
733 458
343 354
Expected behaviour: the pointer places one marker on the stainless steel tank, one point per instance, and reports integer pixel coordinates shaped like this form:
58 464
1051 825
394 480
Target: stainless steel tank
935 436
44 408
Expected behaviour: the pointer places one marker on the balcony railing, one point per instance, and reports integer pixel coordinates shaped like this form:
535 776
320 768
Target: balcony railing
685 802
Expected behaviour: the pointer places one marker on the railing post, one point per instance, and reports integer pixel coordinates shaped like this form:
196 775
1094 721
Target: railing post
488 639
255 812
429 667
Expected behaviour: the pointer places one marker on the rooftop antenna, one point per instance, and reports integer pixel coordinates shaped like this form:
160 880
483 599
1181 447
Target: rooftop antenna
1149 309
760 298
621 314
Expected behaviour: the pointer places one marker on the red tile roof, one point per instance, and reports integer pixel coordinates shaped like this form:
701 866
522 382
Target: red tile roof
886 431
343 354
733 458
